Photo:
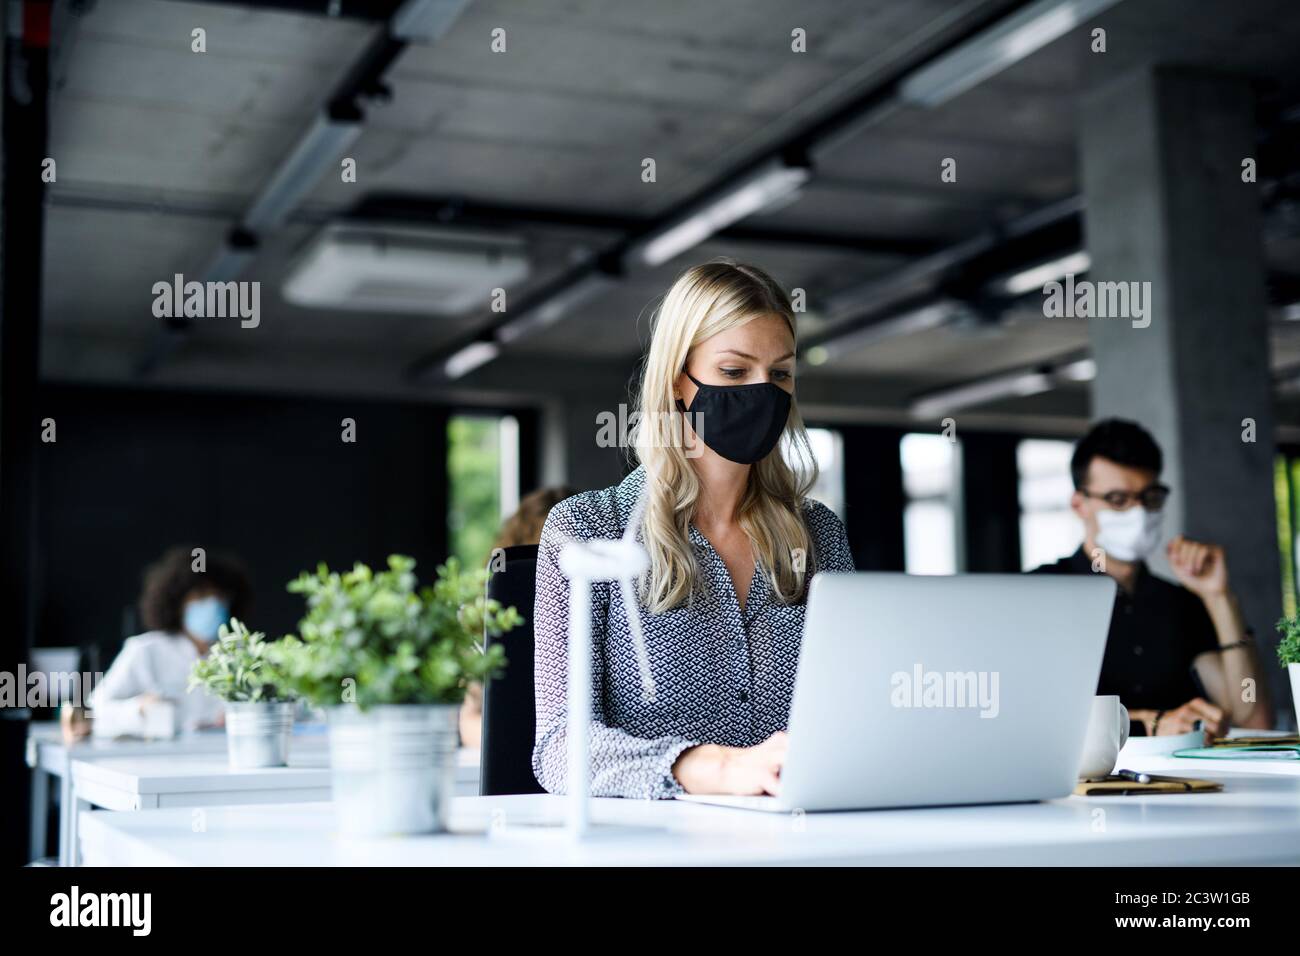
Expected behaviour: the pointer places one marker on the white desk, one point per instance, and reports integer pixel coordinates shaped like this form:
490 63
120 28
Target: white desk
1200 767
196 780
150 781
49 756
1255 821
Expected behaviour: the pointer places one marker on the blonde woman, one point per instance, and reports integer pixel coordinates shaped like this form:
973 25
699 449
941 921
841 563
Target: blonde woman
733 543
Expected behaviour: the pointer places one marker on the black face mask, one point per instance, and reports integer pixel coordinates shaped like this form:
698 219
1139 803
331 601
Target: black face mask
742 423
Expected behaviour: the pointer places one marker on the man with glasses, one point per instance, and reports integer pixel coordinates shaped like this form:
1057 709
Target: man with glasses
1175 655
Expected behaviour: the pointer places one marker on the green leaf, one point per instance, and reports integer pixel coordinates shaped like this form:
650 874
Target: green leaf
237 667
399 642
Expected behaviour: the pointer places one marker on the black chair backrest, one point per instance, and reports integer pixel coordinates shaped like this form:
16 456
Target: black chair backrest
509 717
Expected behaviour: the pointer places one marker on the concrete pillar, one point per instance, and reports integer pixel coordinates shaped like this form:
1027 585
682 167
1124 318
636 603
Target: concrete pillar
1162 153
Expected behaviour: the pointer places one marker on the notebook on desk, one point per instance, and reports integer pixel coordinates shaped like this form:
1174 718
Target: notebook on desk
1269 751
1257 741
1122 786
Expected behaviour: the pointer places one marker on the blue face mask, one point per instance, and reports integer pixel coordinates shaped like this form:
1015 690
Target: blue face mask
204 616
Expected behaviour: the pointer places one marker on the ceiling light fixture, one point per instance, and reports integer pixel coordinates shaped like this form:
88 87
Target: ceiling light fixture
1005 43
402 269
1020 383
1080 370
469 357
933 315
555 307
316 151
1010 385
423 21
747 195
1035 277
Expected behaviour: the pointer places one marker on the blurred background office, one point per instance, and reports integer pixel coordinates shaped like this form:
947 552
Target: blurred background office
458 214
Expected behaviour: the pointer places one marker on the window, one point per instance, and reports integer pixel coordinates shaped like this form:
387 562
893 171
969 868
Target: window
932 515
828 451
482 482
1048 528
1286 486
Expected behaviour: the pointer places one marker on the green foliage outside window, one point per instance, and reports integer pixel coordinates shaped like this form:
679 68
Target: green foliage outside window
474 487
1284 477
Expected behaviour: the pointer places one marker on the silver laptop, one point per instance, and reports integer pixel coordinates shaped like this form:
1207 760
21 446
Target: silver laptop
931 691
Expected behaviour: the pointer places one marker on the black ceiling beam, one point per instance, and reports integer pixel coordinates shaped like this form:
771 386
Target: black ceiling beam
424 210
371 11
893 246
855 309
364 80
452 210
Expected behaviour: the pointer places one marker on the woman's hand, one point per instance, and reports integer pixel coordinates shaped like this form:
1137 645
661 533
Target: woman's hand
73 723
748 771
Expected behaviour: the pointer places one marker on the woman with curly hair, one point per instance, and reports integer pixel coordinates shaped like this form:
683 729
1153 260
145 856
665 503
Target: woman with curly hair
182 609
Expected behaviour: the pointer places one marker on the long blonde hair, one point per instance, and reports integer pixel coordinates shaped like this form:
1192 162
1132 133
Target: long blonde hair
704 301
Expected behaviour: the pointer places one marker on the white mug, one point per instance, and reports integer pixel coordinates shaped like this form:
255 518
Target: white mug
1107 733
160 720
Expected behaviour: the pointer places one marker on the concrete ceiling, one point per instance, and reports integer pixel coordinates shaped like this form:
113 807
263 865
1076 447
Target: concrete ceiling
158 150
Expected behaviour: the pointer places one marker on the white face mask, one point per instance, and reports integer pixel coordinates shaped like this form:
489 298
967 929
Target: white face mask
1128 535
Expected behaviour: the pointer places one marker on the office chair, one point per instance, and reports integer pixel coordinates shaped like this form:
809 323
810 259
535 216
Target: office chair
509 718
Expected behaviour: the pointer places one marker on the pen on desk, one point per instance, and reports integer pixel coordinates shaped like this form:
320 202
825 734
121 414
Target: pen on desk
1134 775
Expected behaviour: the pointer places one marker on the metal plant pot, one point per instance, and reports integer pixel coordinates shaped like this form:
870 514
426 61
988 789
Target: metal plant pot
393 768
257 734
1294 671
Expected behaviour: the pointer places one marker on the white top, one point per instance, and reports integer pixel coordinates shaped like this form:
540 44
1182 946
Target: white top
159 663
1253 821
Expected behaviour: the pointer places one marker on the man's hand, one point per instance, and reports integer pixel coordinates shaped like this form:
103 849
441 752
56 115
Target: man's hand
1181 719
1201 568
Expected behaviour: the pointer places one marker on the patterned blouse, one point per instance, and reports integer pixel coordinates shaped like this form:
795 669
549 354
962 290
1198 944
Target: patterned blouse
722 675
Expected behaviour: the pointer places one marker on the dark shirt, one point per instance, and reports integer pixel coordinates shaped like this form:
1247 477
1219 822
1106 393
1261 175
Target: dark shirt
1155 633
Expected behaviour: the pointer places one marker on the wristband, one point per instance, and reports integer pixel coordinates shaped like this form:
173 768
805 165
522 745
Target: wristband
1155 722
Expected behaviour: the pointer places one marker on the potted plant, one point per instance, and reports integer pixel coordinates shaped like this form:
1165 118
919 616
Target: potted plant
1288 652
390 663
259 709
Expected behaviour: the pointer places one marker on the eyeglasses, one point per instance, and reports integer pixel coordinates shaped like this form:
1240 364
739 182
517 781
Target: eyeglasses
1152 498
